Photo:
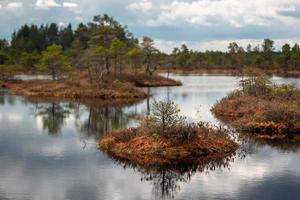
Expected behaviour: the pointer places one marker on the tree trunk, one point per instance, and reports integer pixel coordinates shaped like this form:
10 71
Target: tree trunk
115 66
107 65
120 66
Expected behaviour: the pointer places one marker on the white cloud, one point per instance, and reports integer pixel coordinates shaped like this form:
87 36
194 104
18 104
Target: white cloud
45 4
142 6
219 45
61 24
14 117
236 13
79 18
14 5
70 5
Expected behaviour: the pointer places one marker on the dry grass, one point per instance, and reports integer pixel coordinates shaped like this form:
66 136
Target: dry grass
61 89
78 87
149 148
273 115
144 80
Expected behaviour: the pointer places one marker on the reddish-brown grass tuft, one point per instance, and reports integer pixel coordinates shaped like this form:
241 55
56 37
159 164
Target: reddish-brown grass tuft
148 149
274 114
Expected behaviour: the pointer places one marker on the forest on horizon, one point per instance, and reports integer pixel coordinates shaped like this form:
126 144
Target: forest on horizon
105 41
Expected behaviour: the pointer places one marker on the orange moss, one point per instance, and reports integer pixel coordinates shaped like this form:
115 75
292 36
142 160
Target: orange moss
148 149
269 116
271 137
267 127
3 84
78 87
64 90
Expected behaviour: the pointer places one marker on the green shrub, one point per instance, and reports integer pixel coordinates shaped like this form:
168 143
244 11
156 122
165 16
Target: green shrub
117 81
74 79
7 72
288 91
256 86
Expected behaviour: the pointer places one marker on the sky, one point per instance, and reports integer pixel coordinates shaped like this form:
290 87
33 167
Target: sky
201 24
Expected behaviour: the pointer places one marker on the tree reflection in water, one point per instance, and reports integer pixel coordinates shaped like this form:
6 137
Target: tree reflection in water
2 96
53 116
290 143
166 179
103 120
98 122
249 142
5 98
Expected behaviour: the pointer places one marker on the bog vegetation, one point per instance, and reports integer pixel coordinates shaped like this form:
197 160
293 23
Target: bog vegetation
266 109
104 46
165 136
101 59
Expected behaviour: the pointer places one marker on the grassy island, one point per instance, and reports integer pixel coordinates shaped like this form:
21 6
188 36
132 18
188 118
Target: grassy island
77 86
269 111
165 137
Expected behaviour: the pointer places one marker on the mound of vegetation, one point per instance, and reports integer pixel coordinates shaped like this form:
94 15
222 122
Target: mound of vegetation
144 80
268 110
166 137
78 86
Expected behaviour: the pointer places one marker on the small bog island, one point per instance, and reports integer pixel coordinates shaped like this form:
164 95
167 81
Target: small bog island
165 137
267 110
79 85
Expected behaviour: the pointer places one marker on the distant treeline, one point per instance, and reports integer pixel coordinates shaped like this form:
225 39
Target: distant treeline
263 55
106 45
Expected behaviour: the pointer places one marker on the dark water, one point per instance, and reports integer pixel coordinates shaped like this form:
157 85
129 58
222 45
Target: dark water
48 151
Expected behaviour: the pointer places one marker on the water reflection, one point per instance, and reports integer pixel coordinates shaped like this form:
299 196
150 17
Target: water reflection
103 120
53 116
5 98
34 165
288 144
250 142
166 179
90 121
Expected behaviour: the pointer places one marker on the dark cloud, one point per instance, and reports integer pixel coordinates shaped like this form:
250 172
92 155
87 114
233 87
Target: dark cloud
295 13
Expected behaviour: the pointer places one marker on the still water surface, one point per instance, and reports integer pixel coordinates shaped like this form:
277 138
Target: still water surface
48 151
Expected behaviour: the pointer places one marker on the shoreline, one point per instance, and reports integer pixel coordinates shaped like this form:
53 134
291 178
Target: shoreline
234 71
265 110
109 92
